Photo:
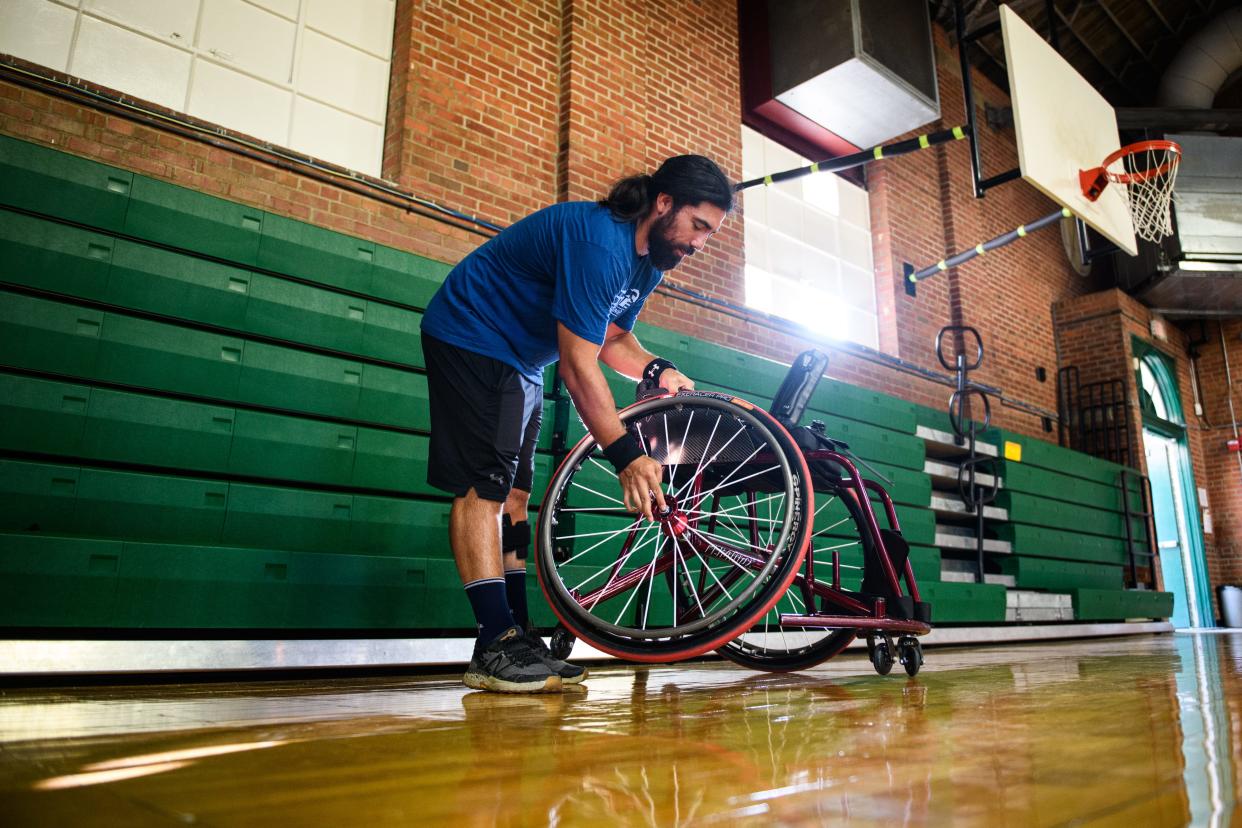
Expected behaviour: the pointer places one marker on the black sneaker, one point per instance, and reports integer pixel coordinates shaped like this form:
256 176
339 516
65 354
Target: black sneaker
509 665
569 673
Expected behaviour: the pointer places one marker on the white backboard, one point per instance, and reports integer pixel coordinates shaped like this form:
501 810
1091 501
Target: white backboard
1063 126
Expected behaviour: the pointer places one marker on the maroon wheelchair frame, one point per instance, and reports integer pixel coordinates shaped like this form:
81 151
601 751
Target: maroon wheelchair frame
828 605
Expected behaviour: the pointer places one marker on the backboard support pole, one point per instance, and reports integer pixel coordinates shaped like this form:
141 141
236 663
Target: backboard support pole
980 184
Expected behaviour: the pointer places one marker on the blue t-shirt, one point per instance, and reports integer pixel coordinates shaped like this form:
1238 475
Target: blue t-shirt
570 263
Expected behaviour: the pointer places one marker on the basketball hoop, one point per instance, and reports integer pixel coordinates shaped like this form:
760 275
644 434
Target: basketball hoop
1148 169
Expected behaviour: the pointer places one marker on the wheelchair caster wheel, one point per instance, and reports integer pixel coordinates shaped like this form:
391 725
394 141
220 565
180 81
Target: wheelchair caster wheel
910 651
561 642
881 652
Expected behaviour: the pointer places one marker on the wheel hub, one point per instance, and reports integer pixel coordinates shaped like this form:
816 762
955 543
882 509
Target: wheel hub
673 521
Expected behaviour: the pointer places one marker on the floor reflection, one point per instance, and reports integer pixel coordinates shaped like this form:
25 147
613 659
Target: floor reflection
1135 731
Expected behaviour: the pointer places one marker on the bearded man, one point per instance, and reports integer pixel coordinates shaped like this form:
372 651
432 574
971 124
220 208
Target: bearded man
565 283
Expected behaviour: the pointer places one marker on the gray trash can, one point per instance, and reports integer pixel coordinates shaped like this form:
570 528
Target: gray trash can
1231 606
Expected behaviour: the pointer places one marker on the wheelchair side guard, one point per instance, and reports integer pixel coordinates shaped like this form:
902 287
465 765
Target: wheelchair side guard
874 580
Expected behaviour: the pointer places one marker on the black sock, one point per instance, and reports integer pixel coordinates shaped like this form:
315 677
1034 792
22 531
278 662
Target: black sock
491 608
515 589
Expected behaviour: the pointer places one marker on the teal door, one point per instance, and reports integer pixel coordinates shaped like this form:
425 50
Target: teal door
1169 540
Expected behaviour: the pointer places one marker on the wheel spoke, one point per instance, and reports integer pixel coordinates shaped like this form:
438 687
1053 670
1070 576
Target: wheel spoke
655 556
845 519
592 491
689 582
608 532
651 582
701 513
720 485
760 549
593 546
824 506
845 545
723 551
707 566
699 469
618 565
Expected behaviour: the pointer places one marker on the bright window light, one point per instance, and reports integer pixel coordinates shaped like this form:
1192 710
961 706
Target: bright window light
808 247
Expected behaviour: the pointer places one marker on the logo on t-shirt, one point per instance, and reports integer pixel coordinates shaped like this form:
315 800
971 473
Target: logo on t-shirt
622 301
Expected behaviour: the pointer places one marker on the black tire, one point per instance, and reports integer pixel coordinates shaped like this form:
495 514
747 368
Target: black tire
561 643
710 445
882 656
911 653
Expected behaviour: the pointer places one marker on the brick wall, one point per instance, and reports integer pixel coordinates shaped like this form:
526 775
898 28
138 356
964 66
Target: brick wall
499 107
1223 474
1096 333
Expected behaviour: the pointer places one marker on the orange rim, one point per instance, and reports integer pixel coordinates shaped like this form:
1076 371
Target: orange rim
1174 149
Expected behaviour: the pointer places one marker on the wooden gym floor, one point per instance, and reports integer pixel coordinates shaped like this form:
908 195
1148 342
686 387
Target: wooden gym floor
1131 731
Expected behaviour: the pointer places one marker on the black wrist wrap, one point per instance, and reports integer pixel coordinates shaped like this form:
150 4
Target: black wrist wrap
623 451
656 367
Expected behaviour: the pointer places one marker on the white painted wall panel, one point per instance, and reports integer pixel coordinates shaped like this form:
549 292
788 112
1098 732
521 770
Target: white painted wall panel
856 287
170 19
784 213
808 246
38 31
854 207
366 24
308 74
249 105
133 63
336 136
755 204
855 246
245 36
822 230
343 76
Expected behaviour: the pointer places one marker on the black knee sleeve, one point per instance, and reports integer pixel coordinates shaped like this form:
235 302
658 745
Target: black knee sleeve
515 537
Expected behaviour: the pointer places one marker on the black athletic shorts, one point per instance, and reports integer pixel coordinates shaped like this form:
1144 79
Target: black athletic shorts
485 419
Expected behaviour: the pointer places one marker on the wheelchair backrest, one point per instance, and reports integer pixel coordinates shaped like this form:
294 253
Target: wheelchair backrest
798 386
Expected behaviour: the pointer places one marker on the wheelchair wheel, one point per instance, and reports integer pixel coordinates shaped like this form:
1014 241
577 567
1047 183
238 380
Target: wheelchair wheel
775 647
738 524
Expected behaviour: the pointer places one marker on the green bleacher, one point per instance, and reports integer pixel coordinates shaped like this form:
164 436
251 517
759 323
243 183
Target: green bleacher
213 417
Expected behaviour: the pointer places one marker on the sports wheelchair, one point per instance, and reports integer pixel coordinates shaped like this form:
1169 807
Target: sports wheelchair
769 550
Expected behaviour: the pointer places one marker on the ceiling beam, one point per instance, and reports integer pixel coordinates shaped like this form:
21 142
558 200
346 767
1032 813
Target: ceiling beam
1156 14
1213 120
1124 31
1087 47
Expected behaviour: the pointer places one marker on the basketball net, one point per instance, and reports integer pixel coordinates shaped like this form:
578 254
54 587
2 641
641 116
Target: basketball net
1148 170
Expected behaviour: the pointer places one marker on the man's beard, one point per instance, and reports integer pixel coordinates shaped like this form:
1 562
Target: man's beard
664 253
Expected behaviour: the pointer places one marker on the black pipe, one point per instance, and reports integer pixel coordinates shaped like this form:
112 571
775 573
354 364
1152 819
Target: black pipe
969 97
990 244
857 159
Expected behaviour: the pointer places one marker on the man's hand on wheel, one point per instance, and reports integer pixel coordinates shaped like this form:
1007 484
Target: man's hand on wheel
675 381
640 482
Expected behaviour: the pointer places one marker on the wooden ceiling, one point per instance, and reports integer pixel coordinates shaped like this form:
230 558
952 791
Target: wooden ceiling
1122 47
